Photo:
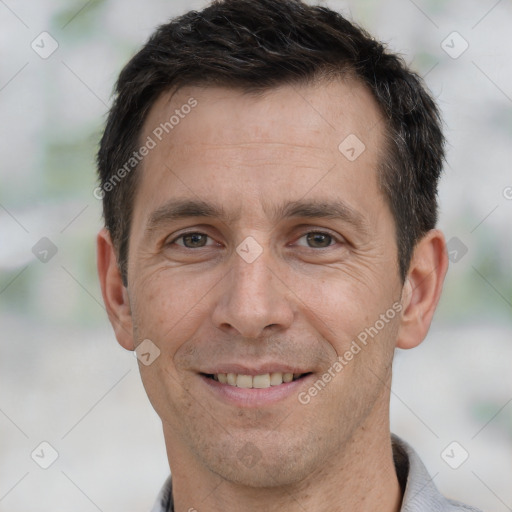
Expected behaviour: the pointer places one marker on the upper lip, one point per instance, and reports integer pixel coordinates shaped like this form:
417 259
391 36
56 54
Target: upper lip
241 369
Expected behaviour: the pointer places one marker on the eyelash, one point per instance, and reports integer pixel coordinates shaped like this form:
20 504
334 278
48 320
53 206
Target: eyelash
316 232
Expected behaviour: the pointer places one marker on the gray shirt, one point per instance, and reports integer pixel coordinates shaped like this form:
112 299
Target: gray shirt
420 493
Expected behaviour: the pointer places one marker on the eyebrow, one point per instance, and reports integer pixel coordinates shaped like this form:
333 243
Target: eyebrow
315 209
179 209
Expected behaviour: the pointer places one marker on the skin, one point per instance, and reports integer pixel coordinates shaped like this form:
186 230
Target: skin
302 301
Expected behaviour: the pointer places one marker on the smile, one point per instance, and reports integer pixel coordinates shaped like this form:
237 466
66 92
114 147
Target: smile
265 380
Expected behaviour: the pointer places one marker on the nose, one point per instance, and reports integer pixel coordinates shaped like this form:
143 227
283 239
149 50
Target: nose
253 299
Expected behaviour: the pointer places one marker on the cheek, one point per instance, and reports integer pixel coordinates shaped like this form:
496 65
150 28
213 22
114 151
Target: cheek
340 309
169 305
360 324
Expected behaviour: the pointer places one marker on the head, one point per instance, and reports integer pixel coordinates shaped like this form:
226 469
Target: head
281 215
254 52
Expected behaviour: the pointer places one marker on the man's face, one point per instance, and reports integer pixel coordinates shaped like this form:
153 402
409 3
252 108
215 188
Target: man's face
281 282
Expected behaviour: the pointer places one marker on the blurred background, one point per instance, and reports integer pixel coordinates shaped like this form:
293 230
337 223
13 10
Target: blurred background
66 383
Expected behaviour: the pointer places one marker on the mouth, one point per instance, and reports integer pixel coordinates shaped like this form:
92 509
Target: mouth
263 381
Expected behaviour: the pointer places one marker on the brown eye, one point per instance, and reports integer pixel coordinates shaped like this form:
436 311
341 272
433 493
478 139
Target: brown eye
318 240
193 240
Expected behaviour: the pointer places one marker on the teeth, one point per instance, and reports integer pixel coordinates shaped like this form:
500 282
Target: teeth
276 379
243 381
260 381
257 381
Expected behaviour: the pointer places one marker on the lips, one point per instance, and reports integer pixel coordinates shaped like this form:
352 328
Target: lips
258 381
258 386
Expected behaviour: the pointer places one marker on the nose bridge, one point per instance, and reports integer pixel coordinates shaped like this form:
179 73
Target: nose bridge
252 280
252 298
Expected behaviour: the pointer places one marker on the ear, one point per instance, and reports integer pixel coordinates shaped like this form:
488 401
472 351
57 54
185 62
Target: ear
115 294
422 288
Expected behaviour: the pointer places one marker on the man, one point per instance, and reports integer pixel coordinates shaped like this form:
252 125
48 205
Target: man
269 178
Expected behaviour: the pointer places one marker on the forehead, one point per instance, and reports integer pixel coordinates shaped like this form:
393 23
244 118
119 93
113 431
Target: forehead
210 141
326 108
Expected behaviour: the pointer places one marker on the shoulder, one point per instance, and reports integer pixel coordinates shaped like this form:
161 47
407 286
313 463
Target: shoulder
457 505
420 494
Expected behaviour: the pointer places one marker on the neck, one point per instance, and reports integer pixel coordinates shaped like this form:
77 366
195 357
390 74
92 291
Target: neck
360 477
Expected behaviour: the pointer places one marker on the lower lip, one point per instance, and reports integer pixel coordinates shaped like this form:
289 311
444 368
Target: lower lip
255 397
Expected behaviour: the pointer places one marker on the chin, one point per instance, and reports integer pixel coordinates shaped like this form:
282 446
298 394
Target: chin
261 463
268 474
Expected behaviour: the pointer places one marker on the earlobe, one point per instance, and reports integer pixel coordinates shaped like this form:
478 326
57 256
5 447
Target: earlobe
115 294
422 289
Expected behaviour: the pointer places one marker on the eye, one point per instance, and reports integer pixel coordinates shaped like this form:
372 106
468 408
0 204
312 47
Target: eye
318 239
191 240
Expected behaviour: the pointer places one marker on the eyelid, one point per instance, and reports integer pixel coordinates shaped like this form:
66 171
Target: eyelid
321 231
172 239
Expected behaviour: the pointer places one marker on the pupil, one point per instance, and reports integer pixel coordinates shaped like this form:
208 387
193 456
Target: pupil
195 239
